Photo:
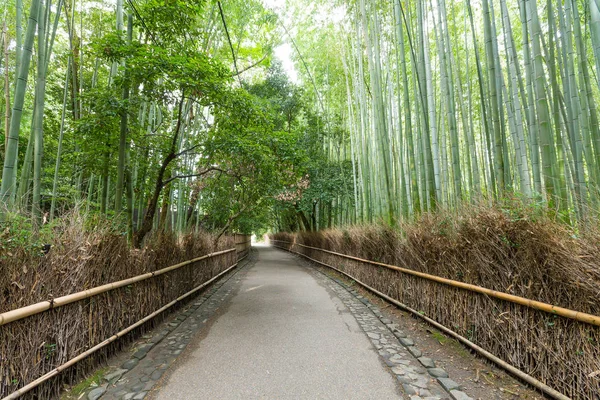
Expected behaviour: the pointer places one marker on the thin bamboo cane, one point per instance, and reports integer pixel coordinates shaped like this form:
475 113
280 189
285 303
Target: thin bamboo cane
513 370
20 313
111 339
538 305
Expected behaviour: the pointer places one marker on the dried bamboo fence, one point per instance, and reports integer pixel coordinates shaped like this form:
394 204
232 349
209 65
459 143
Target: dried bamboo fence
555 346
242 244
49 343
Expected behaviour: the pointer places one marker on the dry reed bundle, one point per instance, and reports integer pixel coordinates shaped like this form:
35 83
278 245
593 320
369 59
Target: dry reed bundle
81 260
536 259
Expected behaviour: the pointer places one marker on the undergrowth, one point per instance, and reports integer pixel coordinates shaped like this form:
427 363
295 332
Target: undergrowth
78 252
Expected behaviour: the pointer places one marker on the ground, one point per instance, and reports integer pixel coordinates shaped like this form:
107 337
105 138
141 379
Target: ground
280 327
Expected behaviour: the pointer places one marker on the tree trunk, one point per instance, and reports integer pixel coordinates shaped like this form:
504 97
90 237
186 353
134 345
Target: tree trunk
302 217
146 225
148 220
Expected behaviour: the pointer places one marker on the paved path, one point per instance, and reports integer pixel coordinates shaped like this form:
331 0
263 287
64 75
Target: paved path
283 335
277 327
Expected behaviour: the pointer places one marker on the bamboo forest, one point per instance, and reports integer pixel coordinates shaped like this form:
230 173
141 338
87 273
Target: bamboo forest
453 139
398 108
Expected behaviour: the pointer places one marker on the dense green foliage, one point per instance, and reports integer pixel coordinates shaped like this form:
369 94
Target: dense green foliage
145 117
175 115
450 101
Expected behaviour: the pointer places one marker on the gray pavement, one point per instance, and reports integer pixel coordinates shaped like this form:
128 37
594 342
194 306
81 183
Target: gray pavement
283 335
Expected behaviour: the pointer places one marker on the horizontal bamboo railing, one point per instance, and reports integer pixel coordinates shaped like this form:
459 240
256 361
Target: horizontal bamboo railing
123 332
24 312
538 305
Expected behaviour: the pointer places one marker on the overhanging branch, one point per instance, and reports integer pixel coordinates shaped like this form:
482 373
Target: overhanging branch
251 66
166 182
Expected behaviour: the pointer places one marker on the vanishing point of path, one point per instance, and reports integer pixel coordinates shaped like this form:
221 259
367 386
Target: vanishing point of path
280 328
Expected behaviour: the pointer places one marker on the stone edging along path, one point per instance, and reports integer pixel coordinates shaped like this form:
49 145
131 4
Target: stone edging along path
150 358
419 376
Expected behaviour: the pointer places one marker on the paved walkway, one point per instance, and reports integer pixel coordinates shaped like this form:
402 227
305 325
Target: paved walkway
283 335
277 328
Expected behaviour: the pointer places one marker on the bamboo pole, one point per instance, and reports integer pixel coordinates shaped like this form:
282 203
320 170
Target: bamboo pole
538 305
20 313
501 363
116 336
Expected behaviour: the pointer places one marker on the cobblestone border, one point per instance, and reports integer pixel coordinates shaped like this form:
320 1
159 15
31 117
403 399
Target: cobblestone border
419 376
151 357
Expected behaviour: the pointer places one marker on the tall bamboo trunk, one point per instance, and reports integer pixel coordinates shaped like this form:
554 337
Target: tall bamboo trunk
589 103
532 121
40 95
595 33
492 67
515 103
123 147
60 144
543 113
572 106
486 120
9 171
6 89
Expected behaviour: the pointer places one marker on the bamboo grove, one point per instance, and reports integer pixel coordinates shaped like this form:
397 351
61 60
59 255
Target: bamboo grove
173 113
149 111
447 101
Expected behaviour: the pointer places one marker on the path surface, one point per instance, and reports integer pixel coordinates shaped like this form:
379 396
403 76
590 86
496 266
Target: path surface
279 327
282 335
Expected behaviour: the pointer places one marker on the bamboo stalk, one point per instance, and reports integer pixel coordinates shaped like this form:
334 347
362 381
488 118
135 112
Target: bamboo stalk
508 367
20 313
7 189
538 305
116 336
